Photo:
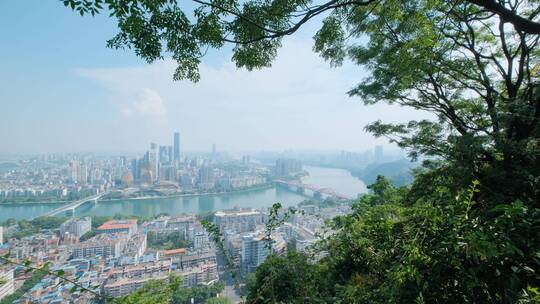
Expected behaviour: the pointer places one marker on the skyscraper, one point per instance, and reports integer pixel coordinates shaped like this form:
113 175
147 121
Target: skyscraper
74 166
154 161
163 155
170 153
176 146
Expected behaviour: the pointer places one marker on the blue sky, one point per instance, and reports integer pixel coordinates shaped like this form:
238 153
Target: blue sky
64 91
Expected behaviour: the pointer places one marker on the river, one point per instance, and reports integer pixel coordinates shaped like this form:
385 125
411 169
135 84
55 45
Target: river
340 180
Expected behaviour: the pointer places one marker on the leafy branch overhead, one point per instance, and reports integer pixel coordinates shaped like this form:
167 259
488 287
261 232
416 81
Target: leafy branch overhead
185 30
473 64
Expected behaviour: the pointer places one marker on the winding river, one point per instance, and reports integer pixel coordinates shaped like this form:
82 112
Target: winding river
340 180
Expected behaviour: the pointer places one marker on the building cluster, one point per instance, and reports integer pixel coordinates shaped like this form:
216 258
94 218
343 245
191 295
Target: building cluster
245 235
287 167
114 262
163 167
120 258
60 177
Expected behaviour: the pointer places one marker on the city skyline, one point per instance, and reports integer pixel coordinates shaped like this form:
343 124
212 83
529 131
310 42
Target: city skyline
211 149
105 100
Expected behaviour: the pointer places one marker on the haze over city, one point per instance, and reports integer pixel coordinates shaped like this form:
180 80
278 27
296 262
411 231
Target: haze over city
94 99
269 151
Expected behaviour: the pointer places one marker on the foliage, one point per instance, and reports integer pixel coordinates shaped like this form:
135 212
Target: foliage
99 220
326 203
199 294
440 249
29 227
219 240
156 28
399 172
472 64
382 192
166 242
90 234
284 279
218 300
276 218
27 285
172 292
153 292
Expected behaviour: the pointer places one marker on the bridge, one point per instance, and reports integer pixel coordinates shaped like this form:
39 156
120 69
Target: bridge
316 191
74 205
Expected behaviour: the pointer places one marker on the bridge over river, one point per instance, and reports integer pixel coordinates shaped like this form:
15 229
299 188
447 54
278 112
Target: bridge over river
311 190
70 208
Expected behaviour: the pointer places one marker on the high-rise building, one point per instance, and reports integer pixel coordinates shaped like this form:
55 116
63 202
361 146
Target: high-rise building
74 167
254 251
287 166
214 149
136 169
82 174
154 161
176 146
1 235
170 153
163 157
205 174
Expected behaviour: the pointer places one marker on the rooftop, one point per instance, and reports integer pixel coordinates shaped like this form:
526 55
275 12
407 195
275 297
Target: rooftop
237 212
118 224
174 251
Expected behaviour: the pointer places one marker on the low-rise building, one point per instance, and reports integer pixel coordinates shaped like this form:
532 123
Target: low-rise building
125 280
202 274
174 255
116 226
76 226
103 245
239 220
7 282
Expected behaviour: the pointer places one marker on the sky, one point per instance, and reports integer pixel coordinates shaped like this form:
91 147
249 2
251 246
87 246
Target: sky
63 90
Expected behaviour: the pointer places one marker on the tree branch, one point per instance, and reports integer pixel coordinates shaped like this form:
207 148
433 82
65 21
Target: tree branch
520 23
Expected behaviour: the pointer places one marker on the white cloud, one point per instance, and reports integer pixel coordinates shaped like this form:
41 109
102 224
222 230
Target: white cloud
149 104
299 103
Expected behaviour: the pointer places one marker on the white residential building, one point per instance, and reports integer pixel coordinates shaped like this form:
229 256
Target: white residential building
76 226
240 220
7 282
104 245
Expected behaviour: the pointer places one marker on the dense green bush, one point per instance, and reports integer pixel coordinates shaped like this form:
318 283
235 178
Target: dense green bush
441 249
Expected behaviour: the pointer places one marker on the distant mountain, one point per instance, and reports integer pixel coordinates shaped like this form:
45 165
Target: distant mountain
398 171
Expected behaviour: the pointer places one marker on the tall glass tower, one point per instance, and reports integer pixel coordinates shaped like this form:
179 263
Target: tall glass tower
176 146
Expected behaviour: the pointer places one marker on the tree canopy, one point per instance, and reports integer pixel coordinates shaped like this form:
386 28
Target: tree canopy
467 229
473 64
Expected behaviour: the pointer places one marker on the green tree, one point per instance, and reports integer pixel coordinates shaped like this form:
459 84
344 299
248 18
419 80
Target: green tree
440 249
153 292
27 285
199 294
285 279
218 300
473 64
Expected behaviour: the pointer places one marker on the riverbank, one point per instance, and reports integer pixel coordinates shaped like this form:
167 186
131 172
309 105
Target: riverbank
29 203
222 193
34 203
198 203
